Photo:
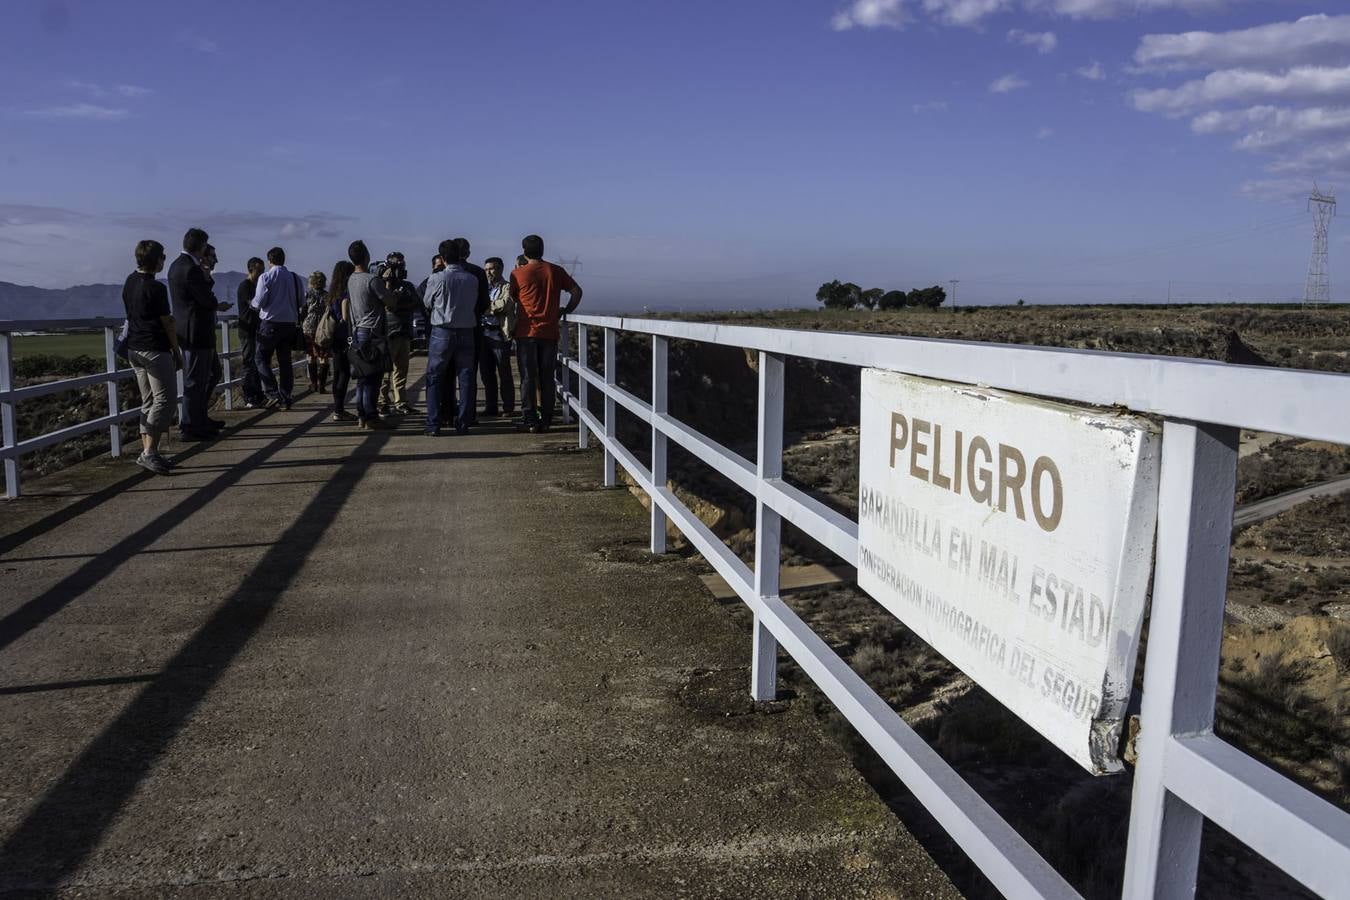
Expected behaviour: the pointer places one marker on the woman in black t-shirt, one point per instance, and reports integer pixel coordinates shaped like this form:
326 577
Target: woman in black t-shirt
152 347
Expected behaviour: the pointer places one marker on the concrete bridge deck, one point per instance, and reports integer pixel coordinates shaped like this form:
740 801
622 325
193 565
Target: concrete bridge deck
319 662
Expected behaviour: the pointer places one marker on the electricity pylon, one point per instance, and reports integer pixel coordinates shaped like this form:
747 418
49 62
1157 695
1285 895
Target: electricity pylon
1317 289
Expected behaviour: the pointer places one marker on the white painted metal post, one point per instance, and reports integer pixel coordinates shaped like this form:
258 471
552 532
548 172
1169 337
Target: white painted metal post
562 374
583 433
225 365
110 358
1195 523
660 405
7 415
768 524
611 413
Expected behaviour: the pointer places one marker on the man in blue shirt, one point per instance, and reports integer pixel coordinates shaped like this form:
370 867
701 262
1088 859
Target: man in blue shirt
277 301
451 300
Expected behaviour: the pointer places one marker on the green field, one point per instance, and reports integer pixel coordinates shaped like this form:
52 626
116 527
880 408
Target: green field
71 344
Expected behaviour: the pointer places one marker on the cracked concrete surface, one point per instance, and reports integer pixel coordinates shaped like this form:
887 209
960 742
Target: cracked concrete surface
317 662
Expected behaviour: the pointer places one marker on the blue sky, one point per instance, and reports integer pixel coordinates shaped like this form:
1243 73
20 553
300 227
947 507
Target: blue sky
698 154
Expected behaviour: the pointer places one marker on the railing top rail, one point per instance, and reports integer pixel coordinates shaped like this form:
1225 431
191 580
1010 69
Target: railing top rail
12 325
1313 405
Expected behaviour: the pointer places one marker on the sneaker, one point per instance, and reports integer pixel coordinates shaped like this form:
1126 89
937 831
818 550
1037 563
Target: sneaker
153 464
431 432
168 463
343 416
272 403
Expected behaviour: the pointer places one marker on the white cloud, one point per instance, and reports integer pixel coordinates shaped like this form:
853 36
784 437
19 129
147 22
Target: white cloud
1092 72
99 92
1246 86
963 12
132 91
1282 88
79 111
1278 44
1044 133
930 106
1114 9
871 14
1043 41
1007 84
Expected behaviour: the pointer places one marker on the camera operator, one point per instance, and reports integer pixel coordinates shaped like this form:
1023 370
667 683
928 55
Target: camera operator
400 302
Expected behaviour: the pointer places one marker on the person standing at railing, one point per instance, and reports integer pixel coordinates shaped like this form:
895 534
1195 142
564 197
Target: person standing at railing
194 310
152 348
400 302
250 385
452 301
342 364
497 324
209 263
278 304
537 288
369 352
316 298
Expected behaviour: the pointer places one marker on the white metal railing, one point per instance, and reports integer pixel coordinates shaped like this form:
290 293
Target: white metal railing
1185 773
12 448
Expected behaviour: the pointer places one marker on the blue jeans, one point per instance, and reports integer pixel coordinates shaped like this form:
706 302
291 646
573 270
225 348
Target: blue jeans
278 338
367 386
450 350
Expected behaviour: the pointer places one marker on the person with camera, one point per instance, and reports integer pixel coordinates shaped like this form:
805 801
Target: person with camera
278 303
400 302
152 349
494 362
369 353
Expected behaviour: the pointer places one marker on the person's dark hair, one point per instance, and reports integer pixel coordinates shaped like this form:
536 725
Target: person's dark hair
317 281
494 260
195 240
533 245
276 256
255 264
436 257
521 259
395 254
463 244
358 253
337 285
148 254
450 252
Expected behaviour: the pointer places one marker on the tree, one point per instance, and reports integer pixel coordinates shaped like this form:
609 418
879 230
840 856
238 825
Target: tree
891 300
837 295
930 297
871 297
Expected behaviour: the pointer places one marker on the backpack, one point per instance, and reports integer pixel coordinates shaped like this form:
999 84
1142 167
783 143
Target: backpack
326 330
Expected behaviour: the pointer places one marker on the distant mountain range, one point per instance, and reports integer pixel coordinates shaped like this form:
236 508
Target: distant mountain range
84 301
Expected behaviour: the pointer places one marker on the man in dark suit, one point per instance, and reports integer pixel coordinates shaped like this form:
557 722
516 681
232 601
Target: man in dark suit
194 310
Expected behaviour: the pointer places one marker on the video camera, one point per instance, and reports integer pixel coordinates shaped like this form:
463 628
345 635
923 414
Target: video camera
393 269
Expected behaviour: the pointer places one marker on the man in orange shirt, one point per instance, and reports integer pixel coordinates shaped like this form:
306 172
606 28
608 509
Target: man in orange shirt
536 289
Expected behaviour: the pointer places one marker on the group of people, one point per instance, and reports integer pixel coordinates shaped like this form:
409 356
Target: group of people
358 324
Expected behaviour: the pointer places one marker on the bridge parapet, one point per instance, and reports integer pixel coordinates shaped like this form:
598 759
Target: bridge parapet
1185 773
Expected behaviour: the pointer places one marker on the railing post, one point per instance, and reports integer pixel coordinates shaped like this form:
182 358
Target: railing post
611 413
225 365
110 358
583 433
7 415
660 404
563 375
1195 523
768 524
